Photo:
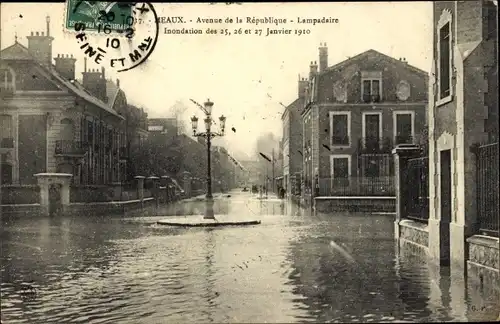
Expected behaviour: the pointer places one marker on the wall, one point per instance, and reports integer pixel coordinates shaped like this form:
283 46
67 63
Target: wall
387 111
354 204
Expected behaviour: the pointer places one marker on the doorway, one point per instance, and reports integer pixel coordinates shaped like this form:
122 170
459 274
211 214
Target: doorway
445 201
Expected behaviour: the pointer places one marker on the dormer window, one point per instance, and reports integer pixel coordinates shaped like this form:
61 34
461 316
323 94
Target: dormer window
371 86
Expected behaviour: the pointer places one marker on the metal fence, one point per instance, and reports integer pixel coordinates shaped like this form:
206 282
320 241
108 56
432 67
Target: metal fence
417 184
357 186
487 188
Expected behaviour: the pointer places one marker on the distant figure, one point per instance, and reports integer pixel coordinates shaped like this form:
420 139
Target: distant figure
282 193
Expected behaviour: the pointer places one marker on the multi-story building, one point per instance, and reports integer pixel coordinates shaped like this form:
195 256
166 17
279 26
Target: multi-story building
51 122
463 135
292 136
356 112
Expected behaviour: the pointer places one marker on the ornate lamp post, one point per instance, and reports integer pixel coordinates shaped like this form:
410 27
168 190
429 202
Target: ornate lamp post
208 134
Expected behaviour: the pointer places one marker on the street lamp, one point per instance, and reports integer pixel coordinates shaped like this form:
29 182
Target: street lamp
208 134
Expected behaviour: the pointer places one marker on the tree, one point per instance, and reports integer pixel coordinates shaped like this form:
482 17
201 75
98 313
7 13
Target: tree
179 110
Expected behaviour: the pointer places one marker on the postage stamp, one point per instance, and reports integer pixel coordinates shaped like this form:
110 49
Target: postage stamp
119 35
96 14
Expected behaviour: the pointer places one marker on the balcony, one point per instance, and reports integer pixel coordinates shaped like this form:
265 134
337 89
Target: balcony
404 139
340 140
7 143
375 145
368 98
70 148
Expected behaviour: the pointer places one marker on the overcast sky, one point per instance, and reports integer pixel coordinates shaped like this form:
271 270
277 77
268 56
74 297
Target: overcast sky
245 76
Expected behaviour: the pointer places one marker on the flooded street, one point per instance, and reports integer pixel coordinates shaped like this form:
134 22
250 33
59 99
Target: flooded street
293 267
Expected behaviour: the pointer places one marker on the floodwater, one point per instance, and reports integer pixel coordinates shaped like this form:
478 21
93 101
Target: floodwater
294 267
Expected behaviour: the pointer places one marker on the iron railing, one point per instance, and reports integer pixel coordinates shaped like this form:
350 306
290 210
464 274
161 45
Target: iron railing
340 140
404 139
371 98
487 188
375 145
70 147
357 186
375 165
416 181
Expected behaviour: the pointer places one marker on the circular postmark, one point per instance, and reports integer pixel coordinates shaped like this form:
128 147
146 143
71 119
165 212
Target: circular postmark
119 35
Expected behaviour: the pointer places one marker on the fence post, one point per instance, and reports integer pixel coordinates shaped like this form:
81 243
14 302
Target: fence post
140 187
155 189
401 156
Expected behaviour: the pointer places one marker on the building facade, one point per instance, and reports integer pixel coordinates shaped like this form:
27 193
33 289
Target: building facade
463 132
356 111
51 122
292 137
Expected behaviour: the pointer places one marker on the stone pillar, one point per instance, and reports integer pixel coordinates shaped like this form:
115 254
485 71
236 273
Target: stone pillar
140 187
401 156
164 182
45 180
155 188
187 183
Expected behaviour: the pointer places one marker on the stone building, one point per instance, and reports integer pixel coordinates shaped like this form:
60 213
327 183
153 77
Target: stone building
51 122
456 221
292 137
355 112
463 125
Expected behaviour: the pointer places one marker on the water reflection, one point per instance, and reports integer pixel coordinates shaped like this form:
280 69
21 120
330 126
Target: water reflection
115 270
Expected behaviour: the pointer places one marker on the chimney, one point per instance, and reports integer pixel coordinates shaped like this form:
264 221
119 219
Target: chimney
84 64
65 66
323 57
117 82
313 69
40 46
94 83
303 83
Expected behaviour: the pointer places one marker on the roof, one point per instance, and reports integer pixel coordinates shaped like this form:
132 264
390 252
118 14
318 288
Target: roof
297 104
359 57
364 55
16 52
19 52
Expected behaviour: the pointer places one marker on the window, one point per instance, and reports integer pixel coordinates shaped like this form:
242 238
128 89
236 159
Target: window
6 172
340 128
371 86
90 132
6 132
444 62
340 167
372 130
403 125
340 171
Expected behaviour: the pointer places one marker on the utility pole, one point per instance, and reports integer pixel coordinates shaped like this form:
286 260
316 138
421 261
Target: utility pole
273 162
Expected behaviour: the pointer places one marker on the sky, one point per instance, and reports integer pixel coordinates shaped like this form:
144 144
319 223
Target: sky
248 77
